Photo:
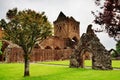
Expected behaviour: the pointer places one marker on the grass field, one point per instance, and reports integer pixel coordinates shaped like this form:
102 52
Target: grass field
46 71
115 63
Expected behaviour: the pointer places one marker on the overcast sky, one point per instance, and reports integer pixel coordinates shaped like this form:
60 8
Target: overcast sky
79 9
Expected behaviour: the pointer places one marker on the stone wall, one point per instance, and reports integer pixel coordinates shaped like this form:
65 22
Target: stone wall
16 55
89 42
53 42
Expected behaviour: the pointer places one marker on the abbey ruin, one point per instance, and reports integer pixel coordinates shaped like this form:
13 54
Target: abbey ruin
64 44
56 47
89 42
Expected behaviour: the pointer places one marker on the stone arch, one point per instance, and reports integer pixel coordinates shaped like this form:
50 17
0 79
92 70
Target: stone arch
65 47
82 56
48 47
57 48
75 40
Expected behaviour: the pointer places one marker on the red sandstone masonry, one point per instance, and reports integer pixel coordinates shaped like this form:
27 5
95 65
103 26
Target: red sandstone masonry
16 55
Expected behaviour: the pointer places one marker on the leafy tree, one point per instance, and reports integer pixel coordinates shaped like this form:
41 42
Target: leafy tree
116 52
25 28
109 17
118 47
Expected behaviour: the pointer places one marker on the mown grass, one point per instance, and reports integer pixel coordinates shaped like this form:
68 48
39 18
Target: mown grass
14 71
115 63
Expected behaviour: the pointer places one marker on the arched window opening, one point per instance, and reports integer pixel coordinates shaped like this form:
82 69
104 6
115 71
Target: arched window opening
57 48
65 47
75 40
48 47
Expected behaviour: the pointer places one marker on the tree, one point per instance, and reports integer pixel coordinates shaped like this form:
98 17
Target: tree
109 18
118 47
116 53
25 28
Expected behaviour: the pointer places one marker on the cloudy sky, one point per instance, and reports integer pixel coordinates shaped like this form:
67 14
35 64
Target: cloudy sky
79 9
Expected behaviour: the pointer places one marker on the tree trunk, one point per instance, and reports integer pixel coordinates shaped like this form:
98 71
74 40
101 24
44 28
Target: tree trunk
26 67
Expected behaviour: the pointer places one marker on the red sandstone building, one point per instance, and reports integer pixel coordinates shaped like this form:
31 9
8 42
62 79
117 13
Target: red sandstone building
66 34
57 47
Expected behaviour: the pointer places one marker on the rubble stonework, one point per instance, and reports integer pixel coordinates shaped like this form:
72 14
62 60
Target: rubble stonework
89 42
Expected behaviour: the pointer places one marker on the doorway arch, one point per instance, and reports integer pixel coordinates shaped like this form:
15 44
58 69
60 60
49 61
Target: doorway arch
85 52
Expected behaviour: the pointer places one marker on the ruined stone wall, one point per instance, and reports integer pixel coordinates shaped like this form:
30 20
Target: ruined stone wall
16 55
53 42
101 58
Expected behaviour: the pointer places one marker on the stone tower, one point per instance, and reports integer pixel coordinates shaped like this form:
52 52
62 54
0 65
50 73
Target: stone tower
67 27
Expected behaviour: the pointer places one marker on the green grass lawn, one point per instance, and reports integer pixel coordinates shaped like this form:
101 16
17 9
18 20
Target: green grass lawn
40 71
115 63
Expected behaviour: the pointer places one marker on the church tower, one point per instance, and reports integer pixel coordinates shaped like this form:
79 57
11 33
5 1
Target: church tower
67 27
